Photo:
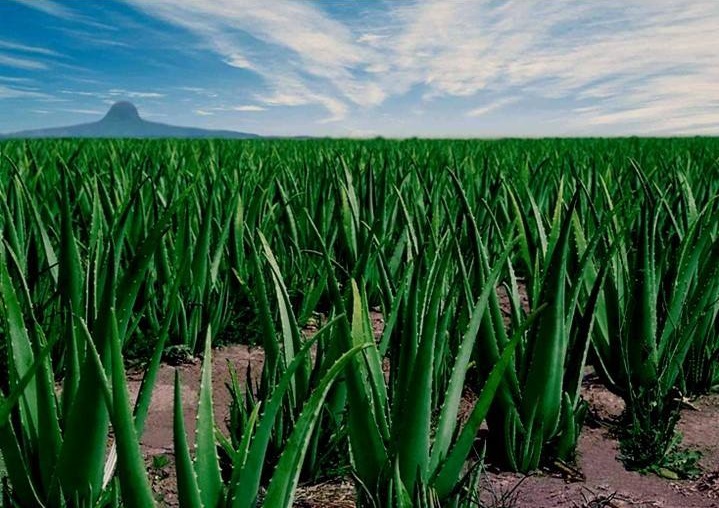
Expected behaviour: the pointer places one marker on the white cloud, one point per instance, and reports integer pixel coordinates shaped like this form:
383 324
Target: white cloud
82 94
48 7
13 46
81 111
204 92
113 94
338 109
617 56
129 94
21 63
14 79
248 108
312 52
493 106
90 36
298 95
371 38
11 92
56 9
235 59
54 100
243 108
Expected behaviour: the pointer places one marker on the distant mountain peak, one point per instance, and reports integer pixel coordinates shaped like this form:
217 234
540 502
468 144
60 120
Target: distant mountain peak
122 111
124 121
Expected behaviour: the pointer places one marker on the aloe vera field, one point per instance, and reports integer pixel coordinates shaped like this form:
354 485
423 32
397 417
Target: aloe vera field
376 323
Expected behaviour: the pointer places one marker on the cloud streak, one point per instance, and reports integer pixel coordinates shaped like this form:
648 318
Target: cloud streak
21 63
493 106
114 94
58 10
48 7
23 48
639 62
11 92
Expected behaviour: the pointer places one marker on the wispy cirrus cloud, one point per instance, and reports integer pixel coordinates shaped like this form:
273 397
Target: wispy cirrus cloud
90 37
627 59
226 109
12 92
83 111
25 57
48 7
24 48
23 63
114 94
314 55
492 106
242 108
248 108
638 62
59 10
200 91
132 94
292 92
16 80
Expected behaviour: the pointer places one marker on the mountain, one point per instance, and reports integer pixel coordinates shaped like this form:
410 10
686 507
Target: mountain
124 121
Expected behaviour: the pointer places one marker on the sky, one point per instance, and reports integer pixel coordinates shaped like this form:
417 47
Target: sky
395 68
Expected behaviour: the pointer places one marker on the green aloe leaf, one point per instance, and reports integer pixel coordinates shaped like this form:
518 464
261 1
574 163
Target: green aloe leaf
284 480
134 482
188 490
207 463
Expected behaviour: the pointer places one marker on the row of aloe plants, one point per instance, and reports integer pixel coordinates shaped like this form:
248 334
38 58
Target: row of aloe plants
180 247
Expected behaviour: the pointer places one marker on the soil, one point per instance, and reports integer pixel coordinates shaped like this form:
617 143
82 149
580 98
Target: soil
603 480
157 438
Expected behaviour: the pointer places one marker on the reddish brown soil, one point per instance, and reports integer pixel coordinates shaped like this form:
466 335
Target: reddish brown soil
157 438
606 483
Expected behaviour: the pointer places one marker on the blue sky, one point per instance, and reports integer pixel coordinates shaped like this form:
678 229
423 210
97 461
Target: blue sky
444 68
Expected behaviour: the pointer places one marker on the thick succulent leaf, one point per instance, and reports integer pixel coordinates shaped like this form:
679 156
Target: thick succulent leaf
449 470
188 490
282 487
134 482
245 488
207 463
450 408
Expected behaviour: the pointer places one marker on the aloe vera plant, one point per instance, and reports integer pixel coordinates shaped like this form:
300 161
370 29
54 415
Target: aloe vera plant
661 289
56 446
402 465
39 442
538 413
200 482
282 340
